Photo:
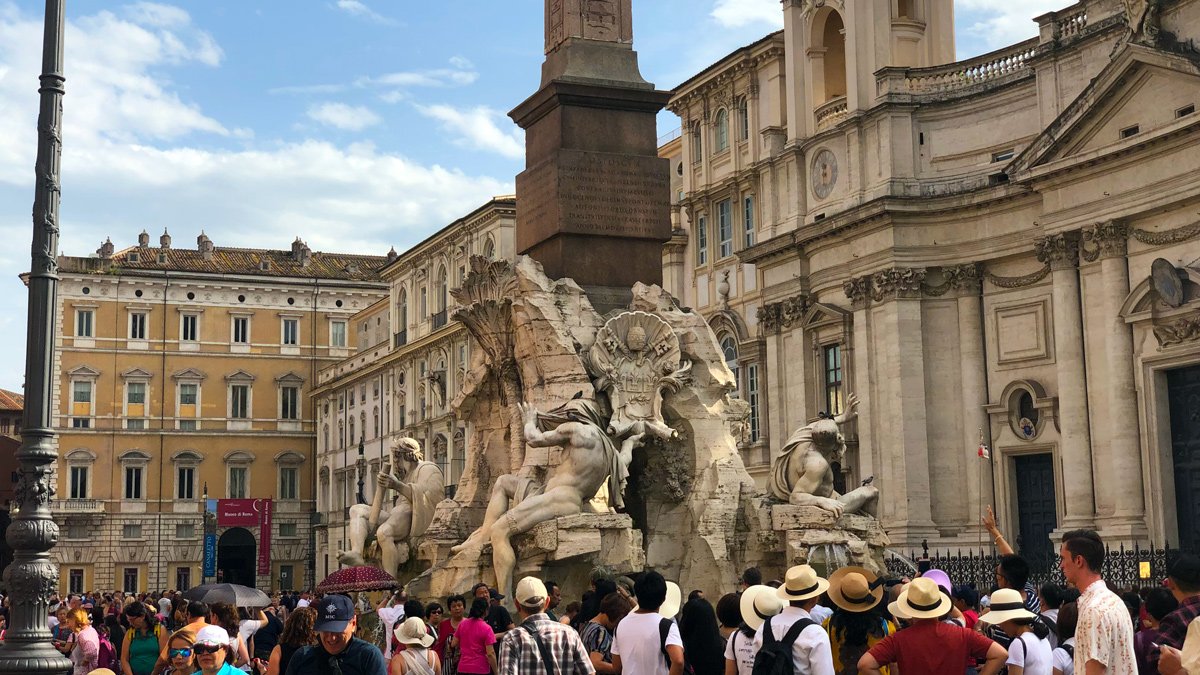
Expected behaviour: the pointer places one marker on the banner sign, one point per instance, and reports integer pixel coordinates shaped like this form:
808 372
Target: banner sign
264 506
237 513
210 556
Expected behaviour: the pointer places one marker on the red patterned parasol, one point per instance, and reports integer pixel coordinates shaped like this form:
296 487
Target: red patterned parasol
360 578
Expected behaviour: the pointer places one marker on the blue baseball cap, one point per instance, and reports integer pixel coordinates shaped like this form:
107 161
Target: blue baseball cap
334 613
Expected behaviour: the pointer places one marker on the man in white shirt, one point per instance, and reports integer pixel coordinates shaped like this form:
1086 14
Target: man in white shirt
637 648
811 652
390 611
1104 634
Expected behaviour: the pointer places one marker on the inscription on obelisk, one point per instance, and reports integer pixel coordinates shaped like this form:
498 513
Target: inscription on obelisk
600 20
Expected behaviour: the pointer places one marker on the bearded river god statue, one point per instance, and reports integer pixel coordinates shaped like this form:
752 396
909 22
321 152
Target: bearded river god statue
419 486
803 473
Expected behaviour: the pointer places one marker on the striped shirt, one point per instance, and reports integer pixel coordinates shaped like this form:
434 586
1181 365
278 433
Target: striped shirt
519 653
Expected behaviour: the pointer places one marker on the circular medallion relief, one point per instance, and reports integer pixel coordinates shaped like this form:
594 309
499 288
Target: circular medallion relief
824 173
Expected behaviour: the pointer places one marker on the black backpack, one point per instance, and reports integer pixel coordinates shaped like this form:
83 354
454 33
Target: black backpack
775 657
664 630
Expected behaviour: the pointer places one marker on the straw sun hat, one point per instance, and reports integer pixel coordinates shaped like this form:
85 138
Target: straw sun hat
855 589
1006 606
802 583
412 632
923 599
759 603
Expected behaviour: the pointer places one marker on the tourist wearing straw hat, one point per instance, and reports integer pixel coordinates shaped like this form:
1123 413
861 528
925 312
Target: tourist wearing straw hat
928 646
417 658
758 603
857 623
1029 653
810 648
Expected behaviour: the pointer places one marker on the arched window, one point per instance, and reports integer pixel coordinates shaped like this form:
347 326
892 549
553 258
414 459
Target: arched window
729 350
489 249
341 434
351 431
443 290
743 119
402 311
721 142
832 38
697 140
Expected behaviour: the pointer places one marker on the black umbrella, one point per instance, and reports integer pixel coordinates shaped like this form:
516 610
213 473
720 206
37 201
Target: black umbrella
231 594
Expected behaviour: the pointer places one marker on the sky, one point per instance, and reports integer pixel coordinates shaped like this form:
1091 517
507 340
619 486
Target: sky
357 125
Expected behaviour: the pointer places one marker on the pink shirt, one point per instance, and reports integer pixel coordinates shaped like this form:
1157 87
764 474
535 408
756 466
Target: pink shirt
86 652
474 636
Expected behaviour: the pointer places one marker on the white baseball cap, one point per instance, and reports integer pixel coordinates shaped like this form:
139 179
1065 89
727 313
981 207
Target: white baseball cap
531 593
213 636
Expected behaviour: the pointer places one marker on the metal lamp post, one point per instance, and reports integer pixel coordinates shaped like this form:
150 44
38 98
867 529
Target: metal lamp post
32 578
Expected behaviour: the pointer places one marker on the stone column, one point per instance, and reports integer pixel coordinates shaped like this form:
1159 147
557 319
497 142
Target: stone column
858 356
967 280
1124 449
1061 252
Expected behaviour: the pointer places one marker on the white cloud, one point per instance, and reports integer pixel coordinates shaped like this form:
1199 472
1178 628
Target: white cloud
479 128
738 13
1000 23
344 117
461 73
360 9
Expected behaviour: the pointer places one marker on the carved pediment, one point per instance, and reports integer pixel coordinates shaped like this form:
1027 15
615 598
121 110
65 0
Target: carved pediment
290 378
137 374
83 372
189 374
239 376
820 314
1141 87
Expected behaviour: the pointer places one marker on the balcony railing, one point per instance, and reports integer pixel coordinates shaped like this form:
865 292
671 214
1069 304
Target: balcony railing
832 112
77 506
998 67
439 319
400 339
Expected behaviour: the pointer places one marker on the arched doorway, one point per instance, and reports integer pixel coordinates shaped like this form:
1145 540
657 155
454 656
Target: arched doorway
829 64
236 557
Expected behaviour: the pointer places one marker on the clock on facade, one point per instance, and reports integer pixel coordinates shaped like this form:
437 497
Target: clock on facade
824 173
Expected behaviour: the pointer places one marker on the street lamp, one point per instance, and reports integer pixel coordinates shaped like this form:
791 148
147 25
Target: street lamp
32 578
362 470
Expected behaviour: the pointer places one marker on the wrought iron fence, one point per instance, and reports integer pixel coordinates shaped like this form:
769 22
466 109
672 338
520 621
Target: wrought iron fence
1123 567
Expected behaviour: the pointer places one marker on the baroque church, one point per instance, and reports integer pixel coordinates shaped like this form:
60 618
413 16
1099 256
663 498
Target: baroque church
998 258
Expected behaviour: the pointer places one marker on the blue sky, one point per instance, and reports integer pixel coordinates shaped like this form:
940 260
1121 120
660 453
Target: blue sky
354 124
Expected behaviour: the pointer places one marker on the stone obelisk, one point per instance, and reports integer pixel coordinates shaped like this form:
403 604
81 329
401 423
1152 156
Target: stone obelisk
593 202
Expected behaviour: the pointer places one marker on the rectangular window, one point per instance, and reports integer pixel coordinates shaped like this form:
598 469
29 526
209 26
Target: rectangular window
81 392
188 331
697 144
185 531
287 530
75 583
137 325
133 482
748 221
239 401
725 227
186 479
84 320
79 482
337 334
743 120
183 577
424 303
291 332
135 393
188 425
1003 156
78 531
129 531
287 575
241 330
238 481
135 424
290 403
702 241
130 580
833 379
289 482
81 423
752 398
1130 132
188 393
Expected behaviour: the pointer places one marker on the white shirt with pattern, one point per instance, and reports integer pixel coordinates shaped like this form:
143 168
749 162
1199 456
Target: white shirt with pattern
1105 632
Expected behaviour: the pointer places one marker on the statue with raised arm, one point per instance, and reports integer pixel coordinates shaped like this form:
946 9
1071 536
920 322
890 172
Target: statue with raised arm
803 473
419 486
517 502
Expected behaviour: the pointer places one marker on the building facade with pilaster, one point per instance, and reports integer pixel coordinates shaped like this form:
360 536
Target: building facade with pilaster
411 360
1001 251
183 374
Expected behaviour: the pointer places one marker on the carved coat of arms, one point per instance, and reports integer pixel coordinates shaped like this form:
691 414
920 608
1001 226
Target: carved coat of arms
637 360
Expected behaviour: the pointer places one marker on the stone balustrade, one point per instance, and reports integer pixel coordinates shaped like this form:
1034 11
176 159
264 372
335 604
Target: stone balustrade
995 68
829 114
68 506
1063 25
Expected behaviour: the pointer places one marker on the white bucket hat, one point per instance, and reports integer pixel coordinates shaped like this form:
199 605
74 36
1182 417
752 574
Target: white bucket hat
413 632
759 603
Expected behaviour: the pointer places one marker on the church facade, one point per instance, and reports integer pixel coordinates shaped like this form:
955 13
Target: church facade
1000 252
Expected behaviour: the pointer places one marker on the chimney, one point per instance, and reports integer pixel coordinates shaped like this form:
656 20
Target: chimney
301 253
392 255
106 249
165 240
143 240
205 245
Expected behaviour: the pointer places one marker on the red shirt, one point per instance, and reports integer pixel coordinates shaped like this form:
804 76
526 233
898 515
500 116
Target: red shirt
931 648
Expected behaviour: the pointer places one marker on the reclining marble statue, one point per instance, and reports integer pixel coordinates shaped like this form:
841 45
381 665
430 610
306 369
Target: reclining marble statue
518 502
803 473
419 486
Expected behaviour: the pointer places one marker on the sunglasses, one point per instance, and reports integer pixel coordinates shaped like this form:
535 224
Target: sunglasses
436 611
186 652
207 649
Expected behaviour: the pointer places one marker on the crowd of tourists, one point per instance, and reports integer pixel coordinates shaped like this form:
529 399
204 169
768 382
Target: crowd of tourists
853 622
